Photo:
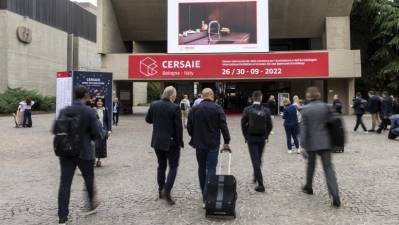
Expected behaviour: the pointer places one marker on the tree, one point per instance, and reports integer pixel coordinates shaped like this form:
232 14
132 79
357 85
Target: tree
375 30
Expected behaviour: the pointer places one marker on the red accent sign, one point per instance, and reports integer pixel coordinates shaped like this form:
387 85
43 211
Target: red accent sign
228 66
63 74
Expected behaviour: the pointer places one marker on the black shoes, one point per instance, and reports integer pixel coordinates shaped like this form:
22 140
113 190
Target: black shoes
260 188
371 130
63 221
307 190
379 131
336 202
168 198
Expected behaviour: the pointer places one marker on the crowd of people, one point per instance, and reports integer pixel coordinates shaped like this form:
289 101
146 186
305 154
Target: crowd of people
384 110
205 120
206 124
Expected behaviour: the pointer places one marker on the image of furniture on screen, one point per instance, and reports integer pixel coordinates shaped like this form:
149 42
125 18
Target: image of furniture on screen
217 23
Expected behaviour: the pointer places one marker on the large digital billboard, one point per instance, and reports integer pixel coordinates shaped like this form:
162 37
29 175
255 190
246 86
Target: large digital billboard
218 26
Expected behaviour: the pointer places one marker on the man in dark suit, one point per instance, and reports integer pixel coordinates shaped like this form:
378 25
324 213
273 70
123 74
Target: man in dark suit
116 108
315 139
386 111
360 109
167 139
206 122
90 130
374 106
256 125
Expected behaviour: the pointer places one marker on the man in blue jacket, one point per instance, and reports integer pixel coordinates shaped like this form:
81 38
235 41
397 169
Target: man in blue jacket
374 106
90 130
386 111
206 122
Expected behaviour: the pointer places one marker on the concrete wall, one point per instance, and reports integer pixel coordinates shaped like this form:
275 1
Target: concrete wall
3 51
345 63
87 57
34 66
338 33
109 38
118 64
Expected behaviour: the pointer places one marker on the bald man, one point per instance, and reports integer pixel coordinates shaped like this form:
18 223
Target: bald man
206 123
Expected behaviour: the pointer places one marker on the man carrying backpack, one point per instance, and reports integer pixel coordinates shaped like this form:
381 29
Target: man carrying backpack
75 128
256 125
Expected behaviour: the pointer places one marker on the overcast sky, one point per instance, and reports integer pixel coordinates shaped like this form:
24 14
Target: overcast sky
94 2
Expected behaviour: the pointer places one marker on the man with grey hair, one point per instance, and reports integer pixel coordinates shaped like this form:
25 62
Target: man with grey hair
167 139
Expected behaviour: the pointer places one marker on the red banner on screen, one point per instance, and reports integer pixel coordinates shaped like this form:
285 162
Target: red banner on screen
228 66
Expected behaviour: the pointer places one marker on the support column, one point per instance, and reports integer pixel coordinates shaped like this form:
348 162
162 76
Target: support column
139 93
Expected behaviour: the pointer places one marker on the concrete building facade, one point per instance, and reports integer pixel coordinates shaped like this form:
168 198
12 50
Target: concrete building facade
33 65
127 27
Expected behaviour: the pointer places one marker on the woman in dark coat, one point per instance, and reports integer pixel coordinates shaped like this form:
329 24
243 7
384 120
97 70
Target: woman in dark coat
103 116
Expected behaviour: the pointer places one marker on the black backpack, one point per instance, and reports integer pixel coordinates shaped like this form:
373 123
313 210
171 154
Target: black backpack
183 106
66 132
257 120
336 128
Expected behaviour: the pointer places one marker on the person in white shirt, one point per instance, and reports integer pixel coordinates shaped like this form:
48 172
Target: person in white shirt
26 108
185 108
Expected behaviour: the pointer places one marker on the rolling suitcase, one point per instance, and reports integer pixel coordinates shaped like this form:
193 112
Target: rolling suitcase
222 193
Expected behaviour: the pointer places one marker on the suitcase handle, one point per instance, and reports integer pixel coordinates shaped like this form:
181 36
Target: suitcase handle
220 161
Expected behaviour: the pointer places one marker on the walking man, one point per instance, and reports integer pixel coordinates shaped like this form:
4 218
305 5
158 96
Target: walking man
116 108
167 139
89 130
315 139
185 108
374 106
206 122
198 100
386 111
360 109
256 125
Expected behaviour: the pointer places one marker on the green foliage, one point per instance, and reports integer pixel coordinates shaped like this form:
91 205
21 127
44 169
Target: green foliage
375 30
153 91
10 99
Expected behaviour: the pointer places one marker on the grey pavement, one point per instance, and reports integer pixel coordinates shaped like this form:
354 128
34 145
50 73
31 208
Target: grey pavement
29 173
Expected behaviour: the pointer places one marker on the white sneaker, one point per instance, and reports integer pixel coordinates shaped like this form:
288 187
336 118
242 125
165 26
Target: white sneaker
366 132
290 152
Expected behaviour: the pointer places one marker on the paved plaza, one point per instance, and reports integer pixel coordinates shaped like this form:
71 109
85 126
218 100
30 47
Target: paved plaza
367 173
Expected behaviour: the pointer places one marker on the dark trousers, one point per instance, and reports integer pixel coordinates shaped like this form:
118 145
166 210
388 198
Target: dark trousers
27 118
115 118
292 132
328 170
359 121
68 166
207 161
384 123
172 157
256 152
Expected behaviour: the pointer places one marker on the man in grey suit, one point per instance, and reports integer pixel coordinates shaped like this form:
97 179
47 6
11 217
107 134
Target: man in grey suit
315 139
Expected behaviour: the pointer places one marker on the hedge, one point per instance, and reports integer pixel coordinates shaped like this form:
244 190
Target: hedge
10 99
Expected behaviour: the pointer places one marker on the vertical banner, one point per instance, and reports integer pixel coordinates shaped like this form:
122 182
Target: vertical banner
99 85
64 91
